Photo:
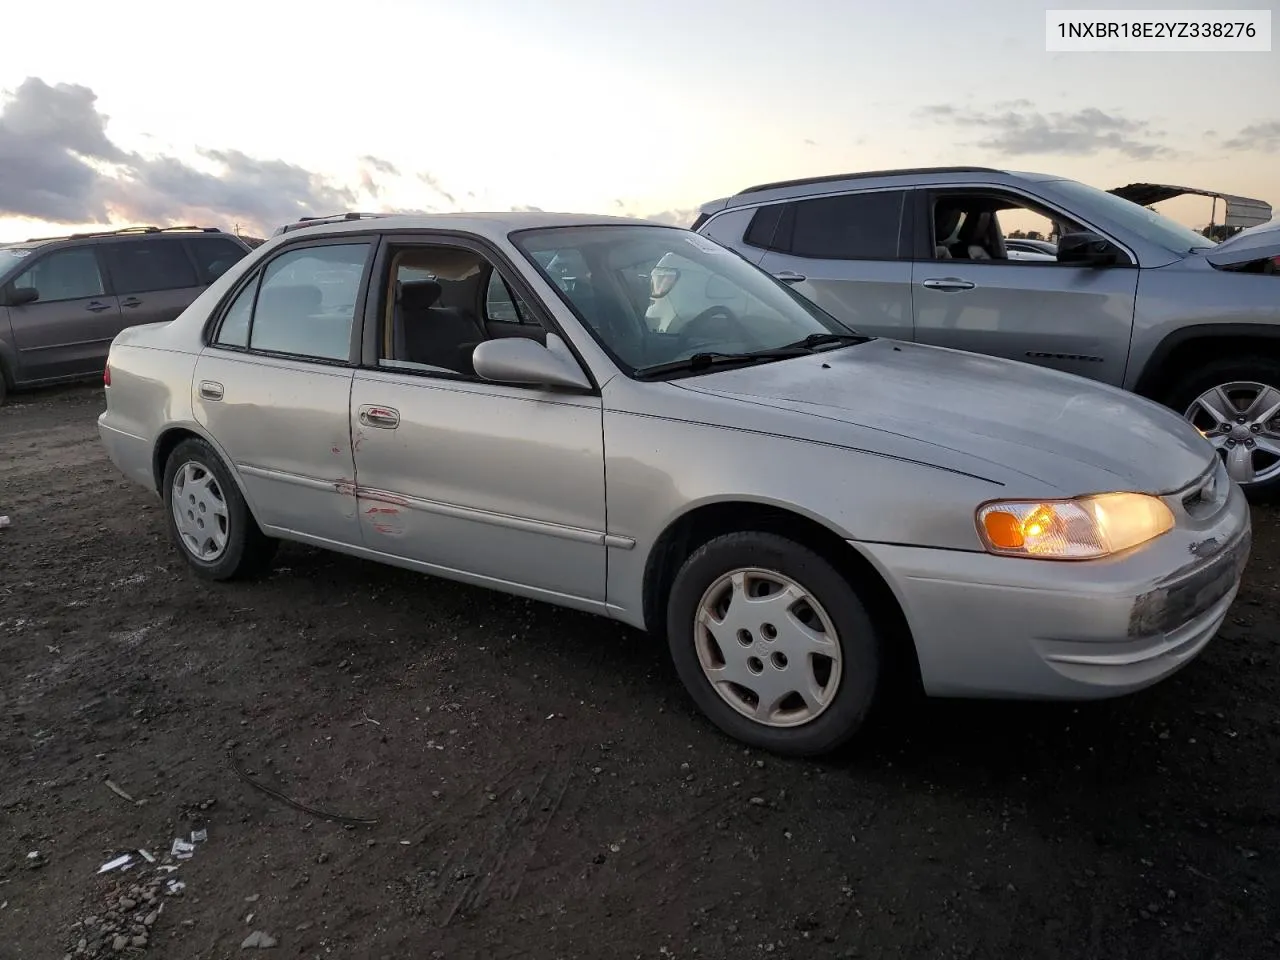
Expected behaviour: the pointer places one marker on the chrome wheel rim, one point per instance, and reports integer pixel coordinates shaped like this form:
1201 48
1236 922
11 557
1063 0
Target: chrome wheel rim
768 647
200 511
1242 421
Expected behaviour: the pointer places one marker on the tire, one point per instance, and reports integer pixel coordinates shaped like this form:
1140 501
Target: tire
246 550
4 384
1262 370
849 689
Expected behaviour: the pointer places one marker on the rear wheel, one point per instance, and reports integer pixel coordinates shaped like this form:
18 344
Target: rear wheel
1236 405
773 643
208 519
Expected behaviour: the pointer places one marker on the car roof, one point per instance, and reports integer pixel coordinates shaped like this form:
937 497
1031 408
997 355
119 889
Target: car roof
123 232
905 176
485 223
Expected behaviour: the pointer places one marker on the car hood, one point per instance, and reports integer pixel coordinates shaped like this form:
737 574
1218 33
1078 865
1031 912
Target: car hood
1078 435
1253 243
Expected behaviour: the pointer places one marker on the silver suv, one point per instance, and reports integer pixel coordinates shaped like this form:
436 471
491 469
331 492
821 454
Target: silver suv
64 299
1130 297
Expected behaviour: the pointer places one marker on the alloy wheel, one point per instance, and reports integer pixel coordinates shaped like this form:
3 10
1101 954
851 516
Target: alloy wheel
1242 421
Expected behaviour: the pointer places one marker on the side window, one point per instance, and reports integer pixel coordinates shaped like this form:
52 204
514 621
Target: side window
64 275
234 331
307 301
145 266
438 302
501 304
763 229
980 227
860 226
214 256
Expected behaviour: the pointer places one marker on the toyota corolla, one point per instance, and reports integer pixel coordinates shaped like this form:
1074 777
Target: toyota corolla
793 506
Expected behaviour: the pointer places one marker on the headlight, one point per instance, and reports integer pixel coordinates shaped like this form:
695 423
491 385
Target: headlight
1081 529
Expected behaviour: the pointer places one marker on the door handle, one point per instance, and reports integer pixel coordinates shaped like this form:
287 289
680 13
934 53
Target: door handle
384 417
790 276
947 284
97 307
211 390
131 302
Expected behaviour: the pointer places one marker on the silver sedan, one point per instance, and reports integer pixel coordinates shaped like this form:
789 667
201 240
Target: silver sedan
796 508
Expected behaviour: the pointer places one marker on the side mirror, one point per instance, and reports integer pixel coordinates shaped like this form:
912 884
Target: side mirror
519 360
18 296
1087 249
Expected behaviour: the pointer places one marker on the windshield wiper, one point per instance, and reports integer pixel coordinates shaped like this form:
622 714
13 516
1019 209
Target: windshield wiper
704 361
823 339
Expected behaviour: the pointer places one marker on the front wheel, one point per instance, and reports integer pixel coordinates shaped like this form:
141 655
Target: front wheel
209 520
773 643
1236 405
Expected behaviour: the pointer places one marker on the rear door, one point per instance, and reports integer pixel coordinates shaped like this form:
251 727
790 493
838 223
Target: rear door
68 330
274 385
154 279
850 254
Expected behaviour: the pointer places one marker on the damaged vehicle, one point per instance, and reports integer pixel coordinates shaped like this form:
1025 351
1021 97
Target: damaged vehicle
807 514
1124 295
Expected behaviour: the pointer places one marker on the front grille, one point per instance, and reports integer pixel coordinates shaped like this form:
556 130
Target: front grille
1207 494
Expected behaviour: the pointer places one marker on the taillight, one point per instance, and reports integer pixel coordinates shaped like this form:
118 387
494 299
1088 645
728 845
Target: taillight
106 375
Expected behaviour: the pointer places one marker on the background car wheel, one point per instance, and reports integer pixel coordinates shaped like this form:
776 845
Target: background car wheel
773 644
208 519
1236 405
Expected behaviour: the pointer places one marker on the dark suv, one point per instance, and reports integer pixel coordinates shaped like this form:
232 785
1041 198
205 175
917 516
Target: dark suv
64 299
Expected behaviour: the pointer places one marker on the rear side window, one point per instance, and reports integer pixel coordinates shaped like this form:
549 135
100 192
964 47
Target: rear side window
234 331
762 232
214 256
860 226
307 302
143 266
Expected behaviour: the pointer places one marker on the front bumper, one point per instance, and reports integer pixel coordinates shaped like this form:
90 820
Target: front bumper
987 626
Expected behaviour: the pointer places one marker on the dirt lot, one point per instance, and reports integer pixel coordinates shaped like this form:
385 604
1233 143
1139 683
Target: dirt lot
541 785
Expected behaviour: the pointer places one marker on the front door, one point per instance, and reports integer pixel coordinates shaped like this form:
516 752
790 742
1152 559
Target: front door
67 331
969 295
497 482
849 254
500 484
154 280
273 389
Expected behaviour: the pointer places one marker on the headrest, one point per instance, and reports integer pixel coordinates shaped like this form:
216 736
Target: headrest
975 227
944 221
419 294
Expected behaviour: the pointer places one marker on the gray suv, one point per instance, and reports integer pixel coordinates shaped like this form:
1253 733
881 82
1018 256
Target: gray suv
1129 297
64 299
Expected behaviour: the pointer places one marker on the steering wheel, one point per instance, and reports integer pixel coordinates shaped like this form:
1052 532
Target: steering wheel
690 334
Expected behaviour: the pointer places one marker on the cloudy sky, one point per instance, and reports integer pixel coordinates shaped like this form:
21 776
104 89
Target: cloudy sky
255 113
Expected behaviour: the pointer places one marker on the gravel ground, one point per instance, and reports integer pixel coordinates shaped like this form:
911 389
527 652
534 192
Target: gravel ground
540 784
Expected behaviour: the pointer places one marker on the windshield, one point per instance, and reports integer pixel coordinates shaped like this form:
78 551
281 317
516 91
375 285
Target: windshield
10 257
653 294
1151 226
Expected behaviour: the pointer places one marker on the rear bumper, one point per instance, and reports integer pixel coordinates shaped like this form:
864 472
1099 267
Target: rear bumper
988 626
130 454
